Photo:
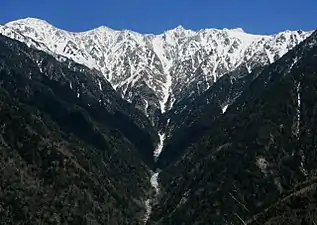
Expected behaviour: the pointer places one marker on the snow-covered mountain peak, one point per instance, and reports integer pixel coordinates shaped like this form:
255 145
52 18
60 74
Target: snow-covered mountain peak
155 71
101 30
237 30
30 21
179 30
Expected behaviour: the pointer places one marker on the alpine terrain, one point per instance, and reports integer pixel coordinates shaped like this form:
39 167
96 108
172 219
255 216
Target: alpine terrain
215 126
155 71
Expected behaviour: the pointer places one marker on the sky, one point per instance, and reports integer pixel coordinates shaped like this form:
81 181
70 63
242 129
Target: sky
157 16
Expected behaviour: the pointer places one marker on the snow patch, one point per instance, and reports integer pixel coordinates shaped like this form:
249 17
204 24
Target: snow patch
148 203
155 183
146 106
154 180
100 87
160 146
269 56
168 122
224 109
293 63
249 69
148 210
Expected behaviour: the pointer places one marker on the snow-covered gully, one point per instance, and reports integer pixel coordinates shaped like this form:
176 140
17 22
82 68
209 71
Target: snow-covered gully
154 180
159 147
298 110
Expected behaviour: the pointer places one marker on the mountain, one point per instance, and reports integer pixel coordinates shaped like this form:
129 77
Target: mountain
185 127
72 151
257 163
154 72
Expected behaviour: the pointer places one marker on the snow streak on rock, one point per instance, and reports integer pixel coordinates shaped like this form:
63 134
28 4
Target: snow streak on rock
155 183
149 202
160 146
298 110
224 108
154 179
148 210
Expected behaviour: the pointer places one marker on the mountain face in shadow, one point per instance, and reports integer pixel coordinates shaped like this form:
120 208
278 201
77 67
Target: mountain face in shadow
72 151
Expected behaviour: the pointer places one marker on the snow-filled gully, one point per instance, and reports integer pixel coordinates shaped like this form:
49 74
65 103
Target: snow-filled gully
154 179
298 110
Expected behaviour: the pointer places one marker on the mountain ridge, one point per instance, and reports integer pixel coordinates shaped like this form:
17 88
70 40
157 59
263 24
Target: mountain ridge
155 71
239 29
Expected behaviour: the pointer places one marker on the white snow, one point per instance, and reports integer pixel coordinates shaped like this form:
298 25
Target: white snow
154 180
100 87
293 63
269 56
165 63
155 183
148 202
168 122
148 210
298 110
166 93
146 106
160 146
249 69
224 108
160 49
78 95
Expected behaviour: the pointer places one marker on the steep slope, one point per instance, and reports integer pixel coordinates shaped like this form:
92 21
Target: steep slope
92 146
193 116
257 164
190 119
156 71
187 121
72 151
